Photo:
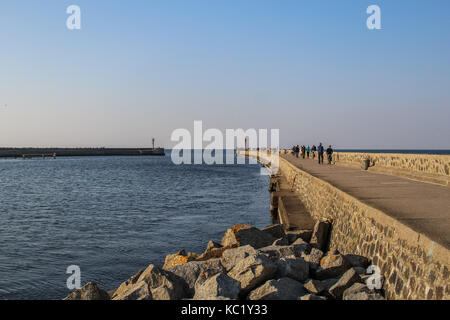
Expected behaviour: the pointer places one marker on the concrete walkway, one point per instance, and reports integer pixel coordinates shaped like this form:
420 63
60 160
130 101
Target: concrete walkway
424 207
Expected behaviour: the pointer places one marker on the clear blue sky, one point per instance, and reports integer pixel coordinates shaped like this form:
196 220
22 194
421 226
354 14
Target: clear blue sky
139 69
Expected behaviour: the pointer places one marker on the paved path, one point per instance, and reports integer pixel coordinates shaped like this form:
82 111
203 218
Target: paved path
424 207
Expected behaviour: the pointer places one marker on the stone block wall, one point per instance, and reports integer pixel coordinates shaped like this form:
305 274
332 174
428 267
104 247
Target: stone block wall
413 266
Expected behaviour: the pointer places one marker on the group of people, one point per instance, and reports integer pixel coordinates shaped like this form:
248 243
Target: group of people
307 151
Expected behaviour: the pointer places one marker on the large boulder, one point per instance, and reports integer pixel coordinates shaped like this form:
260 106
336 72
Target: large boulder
293 267
179 258
281 289
293 235
349 278
281 242
252 271
191 271
219 285
152 283
333 265
242 234
314 257
275 230
315 286
89 291
357 261
312 297
213 250
277 252
359 291
320 235
232 256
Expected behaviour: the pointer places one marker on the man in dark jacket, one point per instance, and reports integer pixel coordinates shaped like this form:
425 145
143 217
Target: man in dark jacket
329 154
320 153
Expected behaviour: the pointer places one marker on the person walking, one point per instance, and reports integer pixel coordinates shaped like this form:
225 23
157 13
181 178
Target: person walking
308 149
329 154
297 150
313 151
303 152
320 153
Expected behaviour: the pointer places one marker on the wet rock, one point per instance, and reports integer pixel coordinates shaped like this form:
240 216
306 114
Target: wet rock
349 278
252 271
320 235
275 230
219 285
232 256
293 267
312 297
281 289
89 291
242 235
332 265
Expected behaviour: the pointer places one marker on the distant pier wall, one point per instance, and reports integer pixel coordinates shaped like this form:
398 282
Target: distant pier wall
79 152
413 266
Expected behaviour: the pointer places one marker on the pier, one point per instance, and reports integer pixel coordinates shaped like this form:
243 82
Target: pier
28 153
400 220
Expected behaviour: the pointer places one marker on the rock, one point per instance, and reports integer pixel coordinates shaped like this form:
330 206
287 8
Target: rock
365 296
220 285
232 256
277 252
141 291
313 258
332 265
281 242
315 286
346 281
275 230
312 297
281 289
357 261
179 258
293 267
213 245
252 271
360 270
355 288
191 271
305 235
242 235
90 291
320 235
127 285
152 283
359 291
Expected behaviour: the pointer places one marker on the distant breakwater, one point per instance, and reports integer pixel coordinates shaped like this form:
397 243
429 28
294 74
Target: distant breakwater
78 152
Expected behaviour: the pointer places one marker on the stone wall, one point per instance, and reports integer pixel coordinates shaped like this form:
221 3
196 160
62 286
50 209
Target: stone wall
414 267
422 167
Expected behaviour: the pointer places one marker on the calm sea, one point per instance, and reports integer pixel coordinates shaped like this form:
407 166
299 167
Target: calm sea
112 216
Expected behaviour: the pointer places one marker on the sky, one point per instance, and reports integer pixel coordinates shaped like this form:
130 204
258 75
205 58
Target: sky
141 69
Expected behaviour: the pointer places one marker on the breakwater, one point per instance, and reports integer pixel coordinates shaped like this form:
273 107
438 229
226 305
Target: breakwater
409 245
78 152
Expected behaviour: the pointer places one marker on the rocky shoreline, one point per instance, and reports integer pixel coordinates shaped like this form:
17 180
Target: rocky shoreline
251 264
